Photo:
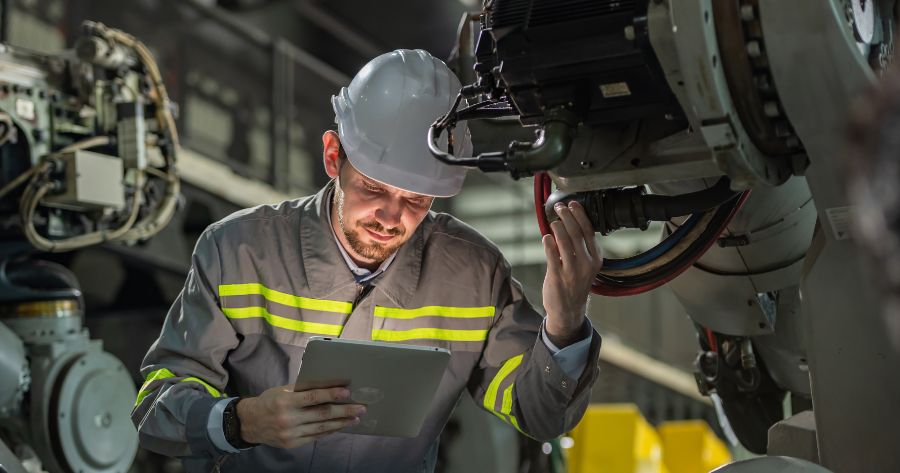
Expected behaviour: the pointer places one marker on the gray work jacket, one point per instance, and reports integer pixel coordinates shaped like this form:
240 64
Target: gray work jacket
265 279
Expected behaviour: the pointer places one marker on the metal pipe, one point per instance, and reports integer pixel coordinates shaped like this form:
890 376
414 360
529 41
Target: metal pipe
550 149
522 158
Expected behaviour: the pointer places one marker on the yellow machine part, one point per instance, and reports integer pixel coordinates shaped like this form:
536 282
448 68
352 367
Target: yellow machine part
615 438
690 446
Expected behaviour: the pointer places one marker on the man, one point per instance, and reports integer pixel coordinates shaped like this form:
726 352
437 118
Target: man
364 259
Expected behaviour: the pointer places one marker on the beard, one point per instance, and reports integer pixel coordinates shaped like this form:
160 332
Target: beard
374 250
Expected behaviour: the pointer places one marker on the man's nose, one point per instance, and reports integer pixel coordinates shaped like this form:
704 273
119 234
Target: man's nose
389 213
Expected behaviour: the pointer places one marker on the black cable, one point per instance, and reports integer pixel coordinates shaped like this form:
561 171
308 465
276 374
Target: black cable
666 207
711 232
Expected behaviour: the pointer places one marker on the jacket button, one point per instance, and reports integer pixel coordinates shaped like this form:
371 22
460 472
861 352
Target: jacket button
564 384
547 369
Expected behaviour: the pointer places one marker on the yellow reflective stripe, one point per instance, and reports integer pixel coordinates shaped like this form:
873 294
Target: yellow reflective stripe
164 373
499 416
435 311
490 396
282 322
254 289
161 373
429 333
515 423
506 407
213 391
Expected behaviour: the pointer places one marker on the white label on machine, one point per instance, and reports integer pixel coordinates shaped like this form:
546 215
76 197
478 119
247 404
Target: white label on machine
25 109
616 89
839 219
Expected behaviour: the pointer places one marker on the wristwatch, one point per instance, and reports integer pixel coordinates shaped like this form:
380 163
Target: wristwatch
231 424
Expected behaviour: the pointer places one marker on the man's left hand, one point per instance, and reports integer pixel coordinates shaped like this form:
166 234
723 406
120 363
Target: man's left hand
573 260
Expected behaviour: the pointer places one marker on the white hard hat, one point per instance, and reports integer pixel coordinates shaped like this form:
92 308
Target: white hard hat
383 119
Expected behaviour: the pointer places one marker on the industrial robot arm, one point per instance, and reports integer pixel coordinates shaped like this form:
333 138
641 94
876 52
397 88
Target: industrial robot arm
696 113
88 149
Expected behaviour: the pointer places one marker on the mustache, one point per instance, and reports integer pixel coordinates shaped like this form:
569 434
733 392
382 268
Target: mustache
377 227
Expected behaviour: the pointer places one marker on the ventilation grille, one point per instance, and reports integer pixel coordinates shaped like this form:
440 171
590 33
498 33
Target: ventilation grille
533 13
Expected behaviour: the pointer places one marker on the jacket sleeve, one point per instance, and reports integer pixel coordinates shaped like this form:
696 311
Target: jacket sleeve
183 371
518 379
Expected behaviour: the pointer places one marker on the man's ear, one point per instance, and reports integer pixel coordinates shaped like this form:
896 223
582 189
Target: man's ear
331 150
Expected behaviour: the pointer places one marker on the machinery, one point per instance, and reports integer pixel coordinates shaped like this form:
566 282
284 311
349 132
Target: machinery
726 120
87 156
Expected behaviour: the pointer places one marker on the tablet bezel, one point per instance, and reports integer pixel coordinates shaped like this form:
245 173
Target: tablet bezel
397 402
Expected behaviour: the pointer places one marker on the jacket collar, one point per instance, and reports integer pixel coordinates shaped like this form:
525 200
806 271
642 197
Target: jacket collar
326 270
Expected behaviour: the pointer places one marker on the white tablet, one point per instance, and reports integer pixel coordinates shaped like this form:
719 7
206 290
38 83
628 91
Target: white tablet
396 382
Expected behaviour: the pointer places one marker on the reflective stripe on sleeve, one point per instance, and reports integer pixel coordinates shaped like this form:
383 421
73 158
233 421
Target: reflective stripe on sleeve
282 322
490 396
252 289
506 409
435 311
164 373
430 334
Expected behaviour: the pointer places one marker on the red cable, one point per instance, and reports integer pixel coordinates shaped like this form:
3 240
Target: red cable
541 194
711 338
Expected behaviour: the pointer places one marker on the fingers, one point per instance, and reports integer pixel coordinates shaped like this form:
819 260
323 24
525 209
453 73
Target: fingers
574 229
327 412
306 433
587 228
325 427
569 236
572 252
563 243
552 253
313 397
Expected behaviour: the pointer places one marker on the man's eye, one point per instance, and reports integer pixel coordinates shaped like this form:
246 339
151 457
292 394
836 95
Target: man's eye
372 188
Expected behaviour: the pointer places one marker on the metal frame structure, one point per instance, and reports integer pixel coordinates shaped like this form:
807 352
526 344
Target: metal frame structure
852 363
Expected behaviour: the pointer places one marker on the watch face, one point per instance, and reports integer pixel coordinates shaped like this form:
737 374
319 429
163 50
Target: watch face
229 422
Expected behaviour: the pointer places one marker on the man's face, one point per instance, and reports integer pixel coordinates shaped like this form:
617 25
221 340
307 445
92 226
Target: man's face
374 219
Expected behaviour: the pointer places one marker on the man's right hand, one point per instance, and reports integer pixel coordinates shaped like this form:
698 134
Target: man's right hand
284 418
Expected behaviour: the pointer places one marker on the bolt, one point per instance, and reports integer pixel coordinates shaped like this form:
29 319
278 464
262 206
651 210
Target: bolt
754 49
747 13
629 33
103 420
586 164
771 109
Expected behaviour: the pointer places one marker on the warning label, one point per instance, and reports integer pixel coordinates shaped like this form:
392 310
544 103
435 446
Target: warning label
616 89
839 220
